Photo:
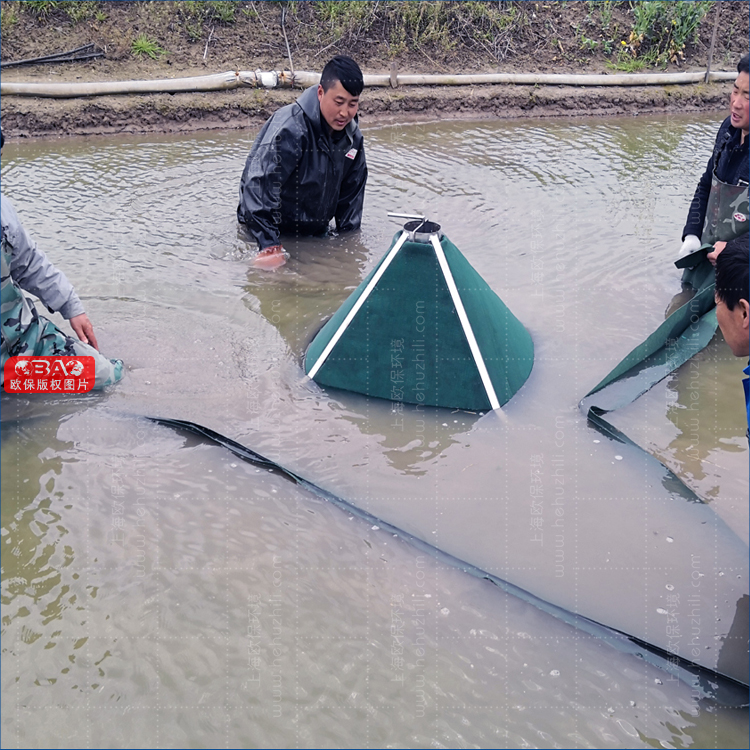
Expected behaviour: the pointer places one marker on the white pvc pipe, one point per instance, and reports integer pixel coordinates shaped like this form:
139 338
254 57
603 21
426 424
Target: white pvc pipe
232 79
531 79
283 78
465 324
357 305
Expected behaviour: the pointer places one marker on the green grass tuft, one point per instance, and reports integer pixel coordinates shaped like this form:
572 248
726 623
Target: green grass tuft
142 45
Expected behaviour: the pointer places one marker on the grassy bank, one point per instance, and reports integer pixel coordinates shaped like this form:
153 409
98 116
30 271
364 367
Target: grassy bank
171 39
426 36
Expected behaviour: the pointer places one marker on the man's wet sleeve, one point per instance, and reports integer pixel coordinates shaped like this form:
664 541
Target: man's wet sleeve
268 167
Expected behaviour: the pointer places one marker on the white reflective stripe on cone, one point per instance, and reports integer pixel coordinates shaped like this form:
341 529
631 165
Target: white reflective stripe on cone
361 301
465 324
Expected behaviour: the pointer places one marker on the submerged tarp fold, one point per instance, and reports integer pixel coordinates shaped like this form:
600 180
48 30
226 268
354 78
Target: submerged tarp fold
684 333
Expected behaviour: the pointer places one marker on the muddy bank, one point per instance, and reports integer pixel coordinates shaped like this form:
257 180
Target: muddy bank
190 39
26 117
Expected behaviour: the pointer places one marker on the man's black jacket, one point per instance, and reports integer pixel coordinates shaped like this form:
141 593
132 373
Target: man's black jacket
730 160
298 177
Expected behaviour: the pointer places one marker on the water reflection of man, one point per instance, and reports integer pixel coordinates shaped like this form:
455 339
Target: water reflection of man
721 195
307 165
322 276
732 306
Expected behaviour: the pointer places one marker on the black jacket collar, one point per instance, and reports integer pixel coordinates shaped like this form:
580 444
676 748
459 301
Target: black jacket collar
308 101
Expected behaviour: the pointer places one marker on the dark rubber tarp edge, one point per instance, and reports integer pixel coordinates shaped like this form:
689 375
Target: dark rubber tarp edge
708 682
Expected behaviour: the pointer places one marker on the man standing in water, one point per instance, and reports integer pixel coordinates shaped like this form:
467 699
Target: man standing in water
719 210
732 306
307 165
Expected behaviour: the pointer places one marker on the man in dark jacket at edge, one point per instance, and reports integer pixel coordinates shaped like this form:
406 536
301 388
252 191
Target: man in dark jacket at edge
729 163
307 165
732 305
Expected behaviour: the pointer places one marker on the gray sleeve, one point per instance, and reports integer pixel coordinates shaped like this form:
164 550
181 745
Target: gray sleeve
32 270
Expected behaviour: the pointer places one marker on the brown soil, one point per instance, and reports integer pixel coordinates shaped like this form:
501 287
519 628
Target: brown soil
548 40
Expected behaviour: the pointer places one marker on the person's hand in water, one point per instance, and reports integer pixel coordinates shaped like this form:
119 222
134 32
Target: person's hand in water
84 330
270 257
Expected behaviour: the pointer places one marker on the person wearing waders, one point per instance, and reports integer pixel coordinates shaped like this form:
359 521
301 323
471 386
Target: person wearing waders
25 333
732 306
307 166
719 210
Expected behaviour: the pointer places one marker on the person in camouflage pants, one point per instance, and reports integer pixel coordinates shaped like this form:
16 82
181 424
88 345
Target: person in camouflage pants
23 332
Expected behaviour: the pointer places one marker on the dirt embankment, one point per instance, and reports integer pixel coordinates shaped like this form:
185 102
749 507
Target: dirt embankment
203 38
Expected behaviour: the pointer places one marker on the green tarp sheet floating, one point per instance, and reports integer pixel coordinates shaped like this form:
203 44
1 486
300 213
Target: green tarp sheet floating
424 328
687 331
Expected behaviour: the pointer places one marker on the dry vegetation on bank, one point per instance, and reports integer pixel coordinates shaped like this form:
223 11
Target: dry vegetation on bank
167 39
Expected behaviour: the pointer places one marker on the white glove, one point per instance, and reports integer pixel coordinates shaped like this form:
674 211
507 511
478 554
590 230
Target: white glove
690 245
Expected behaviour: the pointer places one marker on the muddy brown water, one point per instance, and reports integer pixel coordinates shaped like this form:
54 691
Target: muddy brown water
157 591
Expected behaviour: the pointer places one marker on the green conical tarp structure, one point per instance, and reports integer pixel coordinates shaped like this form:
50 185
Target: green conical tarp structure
424 328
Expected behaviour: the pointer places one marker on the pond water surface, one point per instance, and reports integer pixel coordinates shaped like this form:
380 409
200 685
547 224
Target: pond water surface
159 592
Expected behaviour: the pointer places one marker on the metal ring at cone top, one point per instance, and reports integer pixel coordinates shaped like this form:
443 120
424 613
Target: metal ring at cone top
422 230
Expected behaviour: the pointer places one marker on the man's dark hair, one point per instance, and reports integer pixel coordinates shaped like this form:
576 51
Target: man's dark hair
743 66
732 271
344 69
